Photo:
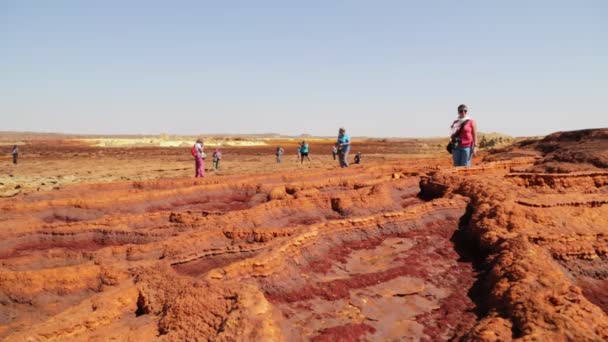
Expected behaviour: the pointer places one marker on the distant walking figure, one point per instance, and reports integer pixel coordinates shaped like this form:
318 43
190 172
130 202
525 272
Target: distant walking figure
343 147
334 151
279 154
217 156
15 154
464 138
304 151
358 158
300 151
199 158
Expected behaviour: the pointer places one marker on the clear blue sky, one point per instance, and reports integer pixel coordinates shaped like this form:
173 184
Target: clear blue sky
379 68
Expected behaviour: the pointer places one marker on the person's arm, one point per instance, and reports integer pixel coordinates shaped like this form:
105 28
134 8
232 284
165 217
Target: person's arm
474 127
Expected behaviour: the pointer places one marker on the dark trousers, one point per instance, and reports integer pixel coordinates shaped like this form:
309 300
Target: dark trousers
344 158
15 157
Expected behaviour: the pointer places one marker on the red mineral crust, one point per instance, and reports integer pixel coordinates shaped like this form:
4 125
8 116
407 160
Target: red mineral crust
513 248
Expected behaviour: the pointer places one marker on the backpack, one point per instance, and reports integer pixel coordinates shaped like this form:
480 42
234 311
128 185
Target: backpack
193 150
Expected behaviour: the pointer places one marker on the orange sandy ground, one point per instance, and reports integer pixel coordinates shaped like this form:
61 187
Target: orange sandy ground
123 243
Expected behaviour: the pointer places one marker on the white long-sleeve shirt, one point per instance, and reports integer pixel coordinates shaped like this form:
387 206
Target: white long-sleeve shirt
199 149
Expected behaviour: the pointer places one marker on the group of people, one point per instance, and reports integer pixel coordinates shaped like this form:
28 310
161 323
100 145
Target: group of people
341 149
463 141
463 144
199 158
303 152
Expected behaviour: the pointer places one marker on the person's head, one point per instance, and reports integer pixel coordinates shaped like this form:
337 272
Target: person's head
217 149
341 130
462 111
303 142
14 146
199 141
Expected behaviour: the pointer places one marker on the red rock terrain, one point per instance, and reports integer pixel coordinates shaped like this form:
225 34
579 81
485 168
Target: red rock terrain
395 249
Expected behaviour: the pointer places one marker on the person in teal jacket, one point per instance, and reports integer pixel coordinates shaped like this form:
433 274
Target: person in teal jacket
343 146
304 152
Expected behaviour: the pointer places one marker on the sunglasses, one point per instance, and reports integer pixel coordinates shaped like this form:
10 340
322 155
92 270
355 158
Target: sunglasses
462 111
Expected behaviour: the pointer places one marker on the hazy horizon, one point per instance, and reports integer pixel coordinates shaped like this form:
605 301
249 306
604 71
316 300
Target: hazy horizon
228 135
380 69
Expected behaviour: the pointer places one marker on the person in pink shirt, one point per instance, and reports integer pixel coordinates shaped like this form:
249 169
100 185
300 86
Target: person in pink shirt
199 158
464 136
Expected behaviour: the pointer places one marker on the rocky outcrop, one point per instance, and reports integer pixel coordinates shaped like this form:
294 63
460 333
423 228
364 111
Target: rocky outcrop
504 250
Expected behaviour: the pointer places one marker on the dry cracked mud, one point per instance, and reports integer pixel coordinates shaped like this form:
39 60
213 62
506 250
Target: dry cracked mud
410 249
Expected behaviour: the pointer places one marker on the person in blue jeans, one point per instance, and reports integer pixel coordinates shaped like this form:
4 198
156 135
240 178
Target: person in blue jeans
464 136
343 147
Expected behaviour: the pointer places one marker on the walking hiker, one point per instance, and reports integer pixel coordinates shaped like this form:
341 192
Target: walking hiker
15 153
358 158
304 152
463 138
217 156
334 151
343 147
199 158
279 154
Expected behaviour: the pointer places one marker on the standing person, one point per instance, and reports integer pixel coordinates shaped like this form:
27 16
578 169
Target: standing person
464 136
334 151
299 151
279 153
343 147
304 152
199 158
15 153
217 156
358 158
